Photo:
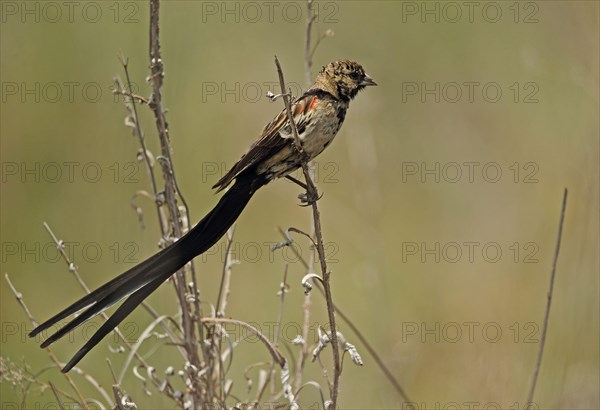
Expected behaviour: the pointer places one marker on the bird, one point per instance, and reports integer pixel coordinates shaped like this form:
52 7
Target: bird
318 115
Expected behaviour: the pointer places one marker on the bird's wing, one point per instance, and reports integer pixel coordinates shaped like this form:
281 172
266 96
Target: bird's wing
272 139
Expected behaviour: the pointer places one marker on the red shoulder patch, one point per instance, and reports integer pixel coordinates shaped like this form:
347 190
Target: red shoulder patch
313 103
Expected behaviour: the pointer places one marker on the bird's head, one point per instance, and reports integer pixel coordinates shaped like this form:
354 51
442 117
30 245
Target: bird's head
343 79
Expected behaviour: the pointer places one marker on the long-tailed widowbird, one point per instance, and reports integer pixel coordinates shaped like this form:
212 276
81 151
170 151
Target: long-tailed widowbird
318 115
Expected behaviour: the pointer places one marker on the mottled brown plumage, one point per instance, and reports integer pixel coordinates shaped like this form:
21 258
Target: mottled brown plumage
318 115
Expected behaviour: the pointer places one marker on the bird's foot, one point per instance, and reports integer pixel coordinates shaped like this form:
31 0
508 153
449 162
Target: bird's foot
307 199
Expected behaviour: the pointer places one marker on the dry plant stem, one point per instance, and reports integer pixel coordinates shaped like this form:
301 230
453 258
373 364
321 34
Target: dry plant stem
224 287
19 297
312 195
90 379
156 76
131 95
140 134
363 339
73 269
538 363
134 349
282 291
388 374
328 297
117 393
310 18
305 332
58 399
220 306
277 356
45 386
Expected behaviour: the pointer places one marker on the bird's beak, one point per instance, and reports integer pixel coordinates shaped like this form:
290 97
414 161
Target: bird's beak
367 81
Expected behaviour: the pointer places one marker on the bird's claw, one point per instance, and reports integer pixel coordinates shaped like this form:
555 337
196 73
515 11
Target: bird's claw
307 200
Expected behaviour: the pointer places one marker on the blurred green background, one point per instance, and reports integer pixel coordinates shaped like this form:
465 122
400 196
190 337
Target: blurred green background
392 234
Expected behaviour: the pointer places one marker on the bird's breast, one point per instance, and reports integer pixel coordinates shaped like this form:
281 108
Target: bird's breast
321 131
316 133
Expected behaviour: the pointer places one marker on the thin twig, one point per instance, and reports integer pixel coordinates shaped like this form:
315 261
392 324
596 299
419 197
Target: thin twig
134 349
171 191
57 395
277 356
221 305
91 380
288 107
538 362
310 18
283 289
132 108
33 378
117 394
129 94
363 339
224 287
312 195
19 296
310 268
75 271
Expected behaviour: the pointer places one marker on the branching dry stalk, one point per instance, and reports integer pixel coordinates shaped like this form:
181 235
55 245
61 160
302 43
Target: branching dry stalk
19 296
310 18
171 192
273 351
57 396
363 339
224 287
216 333
312 195
139 133
308 55
283 289
75 271
20 376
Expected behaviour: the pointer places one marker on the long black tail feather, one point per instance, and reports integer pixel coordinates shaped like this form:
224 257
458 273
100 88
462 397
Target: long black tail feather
121 313
144 278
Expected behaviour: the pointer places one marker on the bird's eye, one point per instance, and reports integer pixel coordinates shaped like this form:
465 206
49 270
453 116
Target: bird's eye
354 75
